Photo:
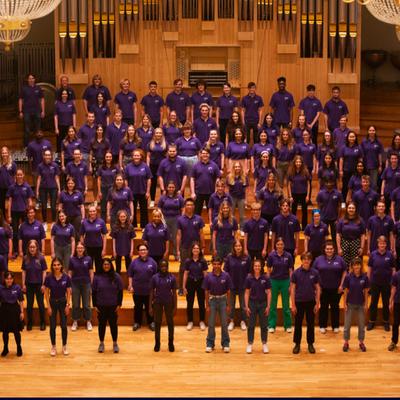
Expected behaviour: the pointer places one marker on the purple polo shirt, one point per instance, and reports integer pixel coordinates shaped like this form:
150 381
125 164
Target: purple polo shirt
12 294
197 99
65 112
328 202
48 174
215 202
396 283
34 268
322 150
68 147
71 93
71 203
3 263
307 151
205 176
334 110
35 151
378 227
216 150
297 134
33 231
226 232
20 194
196 268
137 176
86 134
120 199
58 287
259 148
93 231
311 107
286 227
202 128
281 265
62 234
101 112
371 151
350 230
151 105
141 271
256 230
238 189
282 103
305 281
272 133
252 104
125 103
285 154
356 286
270 201
146 135
7 175
330 271
339 137
299 183
328 173
355 183
258 287
91 92
78 172
238 268
350 156
171 133
115 134
190 229
365 203
170 206
164 287
391 178
238 151
317 235
261 174
106 291
178 103
395 197
31 96
6 234
217 285
157 154
188 147
108 175
382 266
80 268
226 105
172 171
123 238
156 236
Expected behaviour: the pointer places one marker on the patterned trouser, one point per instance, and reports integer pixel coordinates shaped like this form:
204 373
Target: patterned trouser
350 249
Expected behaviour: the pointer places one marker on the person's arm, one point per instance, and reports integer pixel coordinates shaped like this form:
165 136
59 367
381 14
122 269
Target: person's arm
47 298
341 167
130 284
99 194
346 291
161 116
103 252
246 302
23 278
273 237
188 116
242 112
217 111
20 106
9 210
296 239
192 186
166 253
306 240
252 165
131 209
202 241
56 131
72 244
185 277
339 244
135 112
391 300
315 119
182 188
245 241
42 106
21 253
269 296
392 241
326 121
68 305
292 298
260 114
74 120
365 300
52 252
392 210
114 248
265 247
161 184
85 180
120 158
368 242
148 186
39 180
82 211
63 160
58 183
369 272
317 297
383 188
214 242
361 251
178 243
85 105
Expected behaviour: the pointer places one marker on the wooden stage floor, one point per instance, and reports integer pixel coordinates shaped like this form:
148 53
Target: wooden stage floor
138 371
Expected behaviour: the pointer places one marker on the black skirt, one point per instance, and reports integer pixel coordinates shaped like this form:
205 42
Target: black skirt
10 318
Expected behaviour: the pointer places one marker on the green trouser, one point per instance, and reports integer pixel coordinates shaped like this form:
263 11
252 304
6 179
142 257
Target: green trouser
280 286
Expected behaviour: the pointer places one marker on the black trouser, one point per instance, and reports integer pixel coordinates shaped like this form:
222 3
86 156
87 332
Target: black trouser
32 290
157 259
107 314
58 307
44 194
332 227
194 287
396 323
376 291
345 183
255 254
200 199
103 201
155 124
142 201
397 258
223 123
63 130
17 336
252 126
141 301
153 187
158 313
300 199
314 133
95 254
32 123
3 193
129 121
268 217
307 308
118 262
76 222
329 298
17 217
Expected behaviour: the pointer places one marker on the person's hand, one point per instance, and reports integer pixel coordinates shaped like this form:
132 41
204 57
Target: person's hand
43 288
147 195
117 309
366 307
340 251
341 174
63 168
248 311
67 309
345 307
53 255
97 310
42 114
360 251
391 306
9 220
56 131
99 196
316 308
37 194
228 309
49 312
245 252
103 253
114 254
208 308
295 253
24 288
294 309
264 253
178 255
185 292
340 289
21 115
266 312
193 196
21 254
21 316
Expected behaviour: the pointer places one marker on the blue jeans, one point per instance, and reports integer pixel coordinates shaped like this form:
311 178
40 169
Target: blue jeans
217 305
232 300
81 290
257 308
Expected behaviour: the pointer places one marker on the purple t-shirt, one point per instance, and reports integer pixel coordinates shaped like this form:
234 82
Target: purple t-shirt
172 171
238 268
395 197
270 201
125 103
178 102
141 271
35 151
171 206
33 231
68 147
339 137
238 151
226 105
261 174
350 156
355 183
12 294
252 104
259 148
115 134
31 96
330 271
188 147
120 199
190 229
203 127
78 172
350 230
215 202
65 112
152 105
101 112
307 151
164 288
20 194
305 281
108 175
217 285
58 287
7 175
196 268
93 231
48 174
285 154
156 237
379 227
62 234
226 232
286 227
382 267
91 92
86 134
356 286
157 154
281 265
197 99
334 109
258 287
328 202
299 183
80 268
391 178
237 190
282 103
6 234
137 176
146 135
396 283
317 235
34 267
205 176
256 231
371 151
365 203
216 150
311 107
123 239
171 133
71 203
107 291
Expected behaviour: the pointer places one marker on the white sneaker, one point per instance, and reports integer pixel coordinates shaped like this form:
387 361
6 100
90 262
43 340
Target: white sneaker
336 330
65 351
249 349
53 351
45 226
271 330
202 326
152 204
265 348
322 330
209 349
89 326
243 326
289 330
227 349
189 326
231 326
74 326
241 233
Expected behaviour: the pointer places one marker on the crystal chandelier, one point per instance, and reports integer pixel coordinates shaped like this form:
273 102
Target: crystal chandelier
387 11
28 9
13 30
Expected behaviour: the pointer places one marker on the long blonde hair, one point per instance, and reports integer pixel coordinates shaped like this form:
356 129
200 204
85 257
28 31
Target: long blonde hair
136 139
231 176
158 211
290 141
9 161
220 217
178 123
153 142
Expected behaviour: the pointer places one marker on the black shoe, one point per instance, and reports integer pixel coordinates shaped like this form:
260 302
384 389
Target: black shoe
29 327
311 348
171 347
4 352
19 351
392 346
42 326
157 347
346 347
152 326
296 349
370 326
135 327
386 326
180 292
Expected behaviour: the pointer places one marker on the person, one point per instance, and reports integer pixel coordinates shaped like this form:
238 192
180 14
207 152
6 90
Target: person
62 243
93 235
286 226
31 106
98 149
88 131
64 85
262 171
122 234
140 273
315 235
195 270
340 133
217 198
390 179
355 299
270 128
394 148
179 101
81 273
235 122
257 299
327 146
365 199
115 132
68 146
126 101
263 146
281 104
48 186
203 124
90 93
172 128
30 229
58 300
33 275
78 170
145 132
156 236
284 153
350 236
394 307
311 107
100 110
238 151
328 171
305 292
217 149
270 197
301 126
355 180
6 244
381 268
107 294
332 271
130 142
8 169
11 312
226 105
334 109
119 197
64 117
200 97
395 204
372 149
217 285
163 299
252 106
153 104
